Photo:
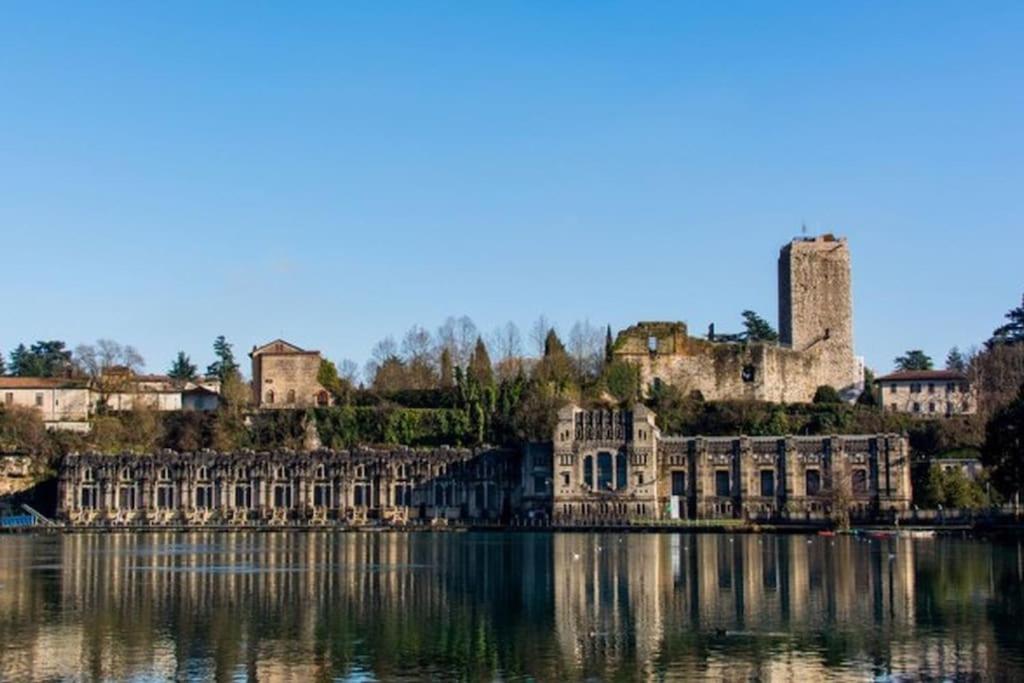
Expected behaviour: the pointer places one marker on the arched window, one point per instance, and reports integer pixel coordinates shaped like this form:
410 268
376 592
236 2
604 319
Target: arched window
270 396
280 473
322 398
201 473
604 471
126 474
620 471
291 396
164 474
588 471
321 472
87 474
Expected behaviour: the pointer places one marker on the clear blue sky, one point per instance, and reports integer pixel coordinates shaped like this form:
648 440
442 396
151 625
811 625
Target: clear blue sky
333 173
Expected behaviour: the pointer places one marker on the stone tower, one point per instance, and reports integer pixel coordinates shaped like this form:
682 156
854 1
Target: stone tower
816 307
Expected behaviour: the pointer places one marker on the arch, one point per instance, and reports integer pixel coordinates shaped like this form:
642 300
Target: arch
621 471
323 398
270 396
291 396
588 471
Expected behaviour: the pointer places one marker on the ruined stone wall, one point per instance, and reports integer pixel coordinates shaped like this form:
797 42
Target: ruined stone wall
720 371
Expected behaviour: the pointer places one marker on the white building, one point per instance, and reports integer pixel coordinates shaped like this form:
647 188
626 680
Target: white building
63 403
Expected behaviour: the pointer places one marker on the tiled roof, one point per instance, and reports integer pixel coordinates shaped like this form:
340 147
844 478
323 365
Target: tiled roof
40 383
924 376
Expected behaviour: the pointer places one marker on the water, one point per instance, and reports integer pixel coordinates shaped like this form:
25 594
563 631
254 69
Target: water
552 607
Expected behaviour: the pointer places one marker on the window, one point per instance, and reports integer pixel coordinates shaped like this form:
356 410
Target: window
967 406
322 398
915 388
282 495
403 495
893 407
126 498
321 472
87 474
291 396
893 388
639 478
565 478
270 396
678 483
202 473
749 373
243 496
652 344
588 472
812 480
204 497
620 471
604 471
322 495
163 474
39 399
9 398
917 407
931 407
931 387
89 497
767 483
164 497
950 388
860 481
722 483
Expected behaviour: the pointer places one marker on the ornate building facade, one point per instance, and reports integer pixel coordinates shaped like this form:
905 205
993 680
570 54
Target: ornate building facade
602 468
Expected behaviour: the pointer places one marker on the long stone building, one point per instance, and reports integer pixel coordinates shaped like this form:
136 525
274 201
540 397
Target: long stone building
815 346
602 468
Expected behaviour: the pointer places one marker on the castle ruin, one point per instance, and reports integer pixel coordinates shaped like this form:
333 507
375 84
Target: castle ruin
815 345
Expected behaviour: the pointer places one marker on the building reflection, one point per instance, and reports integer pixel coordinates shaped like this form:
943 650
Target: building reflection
324 605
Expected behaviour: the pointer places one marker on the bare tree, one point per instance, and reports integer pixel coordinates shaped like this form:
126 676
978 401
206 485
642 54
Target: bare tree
110 365
585 347
539 333
416 345
508 344
348 370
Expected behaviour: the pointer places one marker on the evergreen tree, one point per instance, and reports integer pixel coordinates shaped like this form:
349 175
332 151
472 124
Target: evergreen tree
1004 446
225 364
915 359
553 346
182 368
1013 331
447 376
480 367
955 360
609 350
3 367
20 361
758 329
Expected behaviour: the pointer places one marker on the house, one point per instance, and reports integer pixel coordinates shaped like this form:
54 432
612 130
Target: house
199 398
285 376
928 393
63 403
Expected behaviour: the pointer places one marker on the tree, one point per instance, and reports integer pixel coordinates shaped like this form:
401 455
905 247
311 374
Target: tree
110 365
827 395
3 368
955 360
225 364
1003 450
609 346
915 359
480 367
447 375
1013 331
539 334
42 359
327 377
182 368
757 328
585 348
622 379
868 397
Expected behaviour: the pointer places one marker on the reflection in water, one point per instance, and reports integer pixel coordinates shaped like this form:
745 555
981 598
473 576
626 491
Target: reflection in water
323 605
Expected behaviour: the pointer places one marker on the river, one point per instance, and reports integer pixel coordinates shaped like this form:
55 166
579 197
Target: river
390 606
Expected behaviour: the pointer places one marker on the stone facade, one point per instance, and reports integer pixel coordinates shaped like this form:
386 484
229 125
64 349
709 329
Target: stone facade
613 467
285 376
602 468
268 489
815 348
928 393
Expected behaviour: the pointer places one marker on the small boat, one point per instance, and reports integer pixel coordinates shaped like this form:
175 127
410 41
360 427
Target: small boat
826 532
918 533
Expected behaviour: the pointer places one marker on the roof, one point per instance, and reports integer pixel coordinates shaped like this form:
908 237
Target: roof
924 376
279 346
40 383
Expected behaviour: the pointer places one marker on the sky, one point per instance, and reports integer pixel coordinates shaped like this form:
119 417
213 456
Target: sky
333 173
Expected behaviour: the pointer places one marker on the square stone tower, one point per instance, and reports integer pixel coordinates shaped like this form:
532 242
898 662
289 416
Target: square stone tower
816 307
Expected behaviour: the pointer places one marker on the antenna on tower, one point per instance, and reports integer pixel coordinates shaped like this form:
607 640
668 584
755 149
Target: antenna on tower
803 228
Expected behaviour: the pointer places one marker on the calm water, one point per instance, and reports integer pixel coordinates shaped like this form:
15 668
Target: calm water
392 606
